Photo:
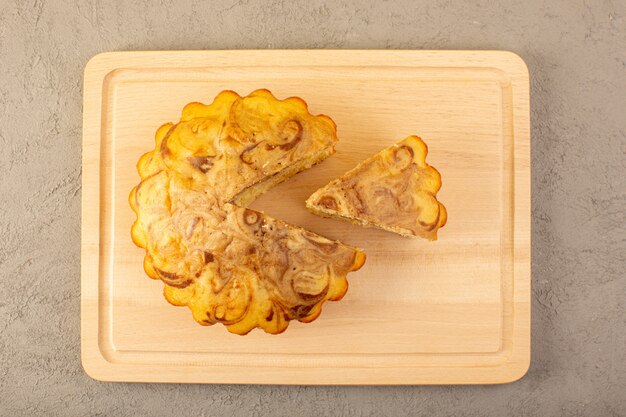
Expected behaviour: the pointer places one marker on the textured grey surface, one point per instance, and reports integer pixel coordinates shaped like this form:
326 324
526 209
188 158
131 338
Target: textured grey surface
576 53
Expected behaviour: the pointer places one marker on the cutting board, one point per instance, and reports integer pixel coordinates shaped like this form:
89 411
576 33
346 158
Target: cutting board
453 311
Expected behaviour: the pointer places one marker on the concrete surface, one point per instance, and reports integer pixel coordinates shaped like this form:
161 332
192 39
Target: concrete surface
576 52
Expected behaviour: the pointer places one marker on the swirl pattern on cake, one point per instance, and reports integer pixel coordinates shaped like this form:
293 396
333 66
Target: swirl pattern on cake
394 190
227 263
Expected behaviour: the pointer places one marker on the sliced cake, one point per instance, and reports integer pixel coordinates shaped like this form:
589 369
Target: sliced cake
227 263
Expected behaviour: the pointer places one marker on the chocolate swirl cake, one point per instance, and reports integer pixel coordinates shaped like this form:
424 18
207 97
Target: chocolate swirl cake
394 190
227 263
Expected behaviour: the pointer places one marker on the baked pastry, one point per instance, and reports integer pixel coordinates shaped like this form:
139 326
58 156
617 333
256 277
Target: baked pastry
394 190
227 263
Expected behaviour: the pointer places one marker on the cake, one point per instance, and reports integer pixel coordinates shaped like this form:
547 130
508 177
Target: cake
227 263
394 190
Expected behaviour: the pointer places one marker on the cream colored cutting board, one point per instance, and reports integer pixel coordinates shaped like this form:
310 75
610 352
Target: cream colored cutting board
454 311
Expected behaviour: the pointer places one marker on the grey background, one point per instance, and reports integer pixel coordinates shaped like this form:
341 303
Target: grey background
576 53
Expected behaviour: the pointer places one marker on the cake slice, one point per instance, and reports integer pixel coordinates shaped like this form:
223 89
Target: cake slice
394 190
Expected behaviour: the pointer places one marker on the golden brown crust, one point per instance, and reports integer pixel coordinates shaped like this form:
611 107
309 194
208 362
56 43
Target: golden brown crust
394 190
227 263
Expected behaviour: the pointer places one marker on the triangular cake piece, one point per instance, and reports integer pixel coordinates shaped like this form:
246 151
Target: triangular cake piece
394 190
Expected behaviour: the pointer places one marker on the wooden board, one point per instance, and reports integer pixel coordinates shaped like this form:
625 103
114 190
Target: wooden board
454 311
